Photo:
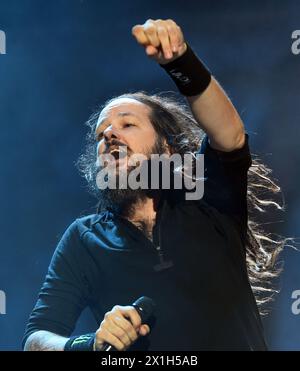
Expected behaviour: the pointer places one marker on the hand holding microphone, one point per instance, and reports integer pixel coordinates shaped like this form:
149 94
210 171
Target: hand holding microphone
123 325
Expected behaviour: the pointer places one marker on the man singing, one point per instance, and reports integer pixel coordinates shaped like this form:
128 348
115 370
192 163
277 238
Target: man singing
199 260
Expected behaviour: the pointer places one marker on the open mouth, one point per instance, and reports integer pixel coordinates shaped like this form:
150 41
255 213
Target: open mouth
119 153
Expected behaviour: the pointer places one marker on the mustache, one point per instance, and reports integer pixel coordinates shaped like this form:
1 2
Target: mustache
114 143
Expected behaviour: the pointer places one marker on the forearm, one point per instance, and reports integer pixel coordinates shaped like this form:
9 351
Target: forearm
164 42
218 117
45 341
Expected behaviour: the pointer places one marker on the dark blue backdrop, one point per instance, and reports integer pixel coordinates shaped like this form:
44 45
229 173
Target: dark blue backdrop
65 57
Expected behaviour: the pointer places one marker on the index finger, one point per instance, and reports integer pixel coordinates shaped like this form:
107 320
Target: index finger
138 32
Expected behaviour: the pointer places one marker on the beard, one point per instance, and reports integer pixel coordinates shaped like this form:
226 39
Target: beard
122 201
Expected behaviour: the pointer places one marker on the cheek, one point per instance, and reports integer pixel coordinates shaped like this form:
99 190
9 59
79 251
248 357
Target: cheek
144 142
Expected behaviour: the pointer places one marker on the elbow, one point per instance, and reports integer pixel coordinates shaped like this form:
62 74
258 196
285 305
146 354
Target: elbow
236 137
229 137
229 142
239 140
30 343
44 341
236 134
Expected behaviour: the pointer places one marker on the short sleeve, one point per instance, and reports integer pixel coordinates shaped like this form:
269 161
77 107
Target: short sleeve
225 185
63 295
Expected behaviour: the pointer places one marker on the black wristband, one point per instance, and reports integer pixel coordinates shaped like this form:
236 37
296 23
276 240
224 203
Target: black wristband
80 343
188 72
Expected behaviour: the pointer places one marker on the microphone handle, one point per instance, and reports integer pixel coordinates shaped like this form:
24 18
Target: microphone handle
139 306
108 348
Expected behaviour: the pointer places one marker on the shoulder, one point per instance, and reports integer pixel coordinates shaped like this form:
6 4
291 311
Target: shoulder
72 238
87 222
237 157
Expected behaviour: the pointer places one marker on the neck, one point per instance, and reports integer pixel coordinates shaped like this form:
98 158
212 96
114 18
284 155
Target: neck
143 214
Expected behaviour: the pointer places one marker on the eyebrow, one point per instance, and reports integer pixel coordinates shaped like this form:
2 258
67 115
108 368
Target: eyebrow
120 114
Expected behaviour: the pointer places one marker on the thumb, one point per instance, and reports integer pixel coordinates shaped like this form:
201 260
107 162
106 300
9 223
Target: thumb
144 330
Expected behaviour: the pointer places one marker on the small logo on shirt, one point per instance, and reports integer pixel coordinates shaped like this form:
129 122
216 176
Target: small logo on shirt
2 302
296 43
2 42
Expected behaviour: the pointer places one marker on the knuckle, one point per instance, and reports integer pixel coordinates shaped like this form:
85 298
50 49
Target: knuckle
128 327
107 315
119 332
129 309
161 29
150 30
170 27
148 22
169 20
138 320
103 328
123 337
159 22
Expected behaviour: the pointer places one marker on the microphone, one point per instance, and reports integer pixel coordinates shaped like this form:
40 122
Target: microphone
145 307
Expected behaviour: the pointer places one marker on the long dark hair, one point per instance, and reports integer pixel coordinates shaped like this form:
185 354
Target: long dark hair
173 120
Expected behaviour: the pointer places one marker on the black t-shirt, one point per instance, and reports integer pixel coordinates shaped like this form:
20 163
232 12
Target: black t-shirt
203 297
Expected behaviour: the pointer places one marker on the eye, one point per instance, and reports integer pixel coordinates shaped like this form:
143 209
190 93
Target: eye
128 124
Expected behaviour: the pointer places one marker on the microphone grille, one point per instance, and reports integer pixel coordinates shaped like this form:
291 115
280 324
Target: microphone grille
145 307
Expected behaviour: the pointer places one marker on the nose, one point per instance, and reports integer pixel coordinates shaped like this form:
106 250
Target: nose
110 133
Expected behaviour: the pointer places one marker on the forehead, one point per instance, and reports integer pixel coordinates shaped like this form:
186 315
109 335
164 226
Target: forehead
123 107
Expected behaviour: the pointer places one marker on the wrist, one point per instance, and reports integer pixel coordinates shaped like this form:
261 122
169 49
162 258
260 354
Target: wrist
81 343
189 73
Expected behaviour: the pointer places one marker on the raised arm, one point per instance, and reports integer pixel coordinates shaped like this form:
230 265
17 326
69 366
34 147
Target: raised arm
164 42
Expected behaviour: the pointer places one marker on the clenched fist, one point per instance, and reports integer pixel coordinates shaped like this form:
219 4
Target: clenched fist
121 327
162 39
